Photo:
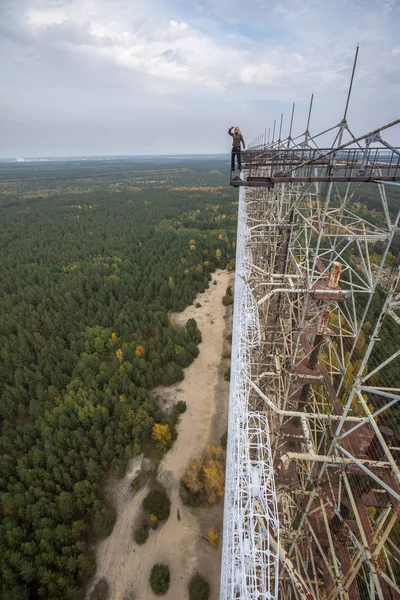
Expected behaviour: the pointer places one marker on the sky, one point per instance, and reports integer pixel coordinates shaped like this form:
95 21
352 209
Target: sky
105 77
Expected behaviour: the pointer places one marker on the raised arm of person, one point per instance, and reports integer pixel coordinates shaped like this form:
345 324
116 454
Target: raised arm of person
230 131
242 140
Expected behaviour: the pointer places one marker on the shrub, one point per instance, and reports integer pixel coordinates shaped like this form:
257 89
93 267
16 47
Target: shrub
159 579
198 304
227 300
101 590
227 374
228 291
142 533
199 588
180 406
157 503
215 282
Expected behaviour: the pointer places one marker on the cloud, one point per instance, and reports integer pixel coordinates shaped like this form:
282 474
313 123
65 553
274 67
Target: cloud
193 64
179 26
40 18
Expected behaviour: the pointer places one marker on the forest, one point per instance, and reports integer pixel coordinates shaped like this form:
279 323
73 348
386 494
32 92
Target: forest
95 257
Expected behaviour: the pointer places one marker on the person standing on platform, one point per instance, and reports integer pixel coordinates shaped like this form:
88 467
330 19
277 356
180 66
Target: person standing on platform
236 147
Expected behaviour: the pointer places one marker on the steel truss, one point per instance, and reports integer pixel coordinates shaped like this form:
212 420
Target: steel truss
312 479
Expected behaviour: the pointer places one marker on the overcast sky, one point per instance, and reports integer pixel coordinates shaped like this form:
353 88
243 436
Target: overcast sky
92 77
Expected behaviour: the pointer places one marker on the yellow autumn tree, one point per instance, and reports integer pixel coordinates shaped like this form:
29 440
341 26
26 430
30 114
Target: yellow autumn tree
192 477
205 476
218 255
214 472
161 434
120 355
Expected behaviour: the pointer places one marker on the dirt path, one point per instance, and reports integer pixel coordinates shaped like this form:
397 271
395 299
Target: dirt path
124 564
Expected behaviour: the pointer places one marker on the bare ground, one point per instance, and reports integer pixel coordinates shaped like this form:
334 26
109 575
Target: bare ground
125 565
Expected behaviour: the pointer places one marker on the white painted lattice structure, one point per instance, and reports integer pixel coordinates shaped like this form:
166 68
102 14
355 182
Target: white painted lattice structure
251 533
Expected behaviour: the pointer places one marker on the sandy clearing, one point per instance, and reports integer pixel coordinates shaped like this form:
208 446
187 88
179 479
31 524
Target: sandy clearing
124 564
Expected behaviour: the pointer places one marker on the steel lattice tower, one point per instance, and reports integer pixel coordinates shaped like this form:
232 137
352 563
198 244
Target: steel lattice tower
312 496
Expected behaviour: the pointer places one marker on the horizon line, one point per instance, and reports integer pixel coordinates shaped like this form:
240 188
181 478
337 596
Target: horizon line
99 156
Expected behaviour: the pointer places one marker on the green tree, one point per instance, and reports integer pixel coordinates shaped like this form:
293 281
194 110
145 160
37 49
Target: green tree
142 533
199 588
157 503
160 579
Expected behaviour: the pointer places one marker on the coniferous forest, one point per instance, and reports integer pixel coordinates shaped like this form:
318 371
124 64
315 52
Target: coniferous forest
94 257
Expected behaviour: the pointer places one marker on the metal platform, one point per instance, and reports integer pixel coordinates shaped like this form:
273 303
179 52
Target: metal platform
266 166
